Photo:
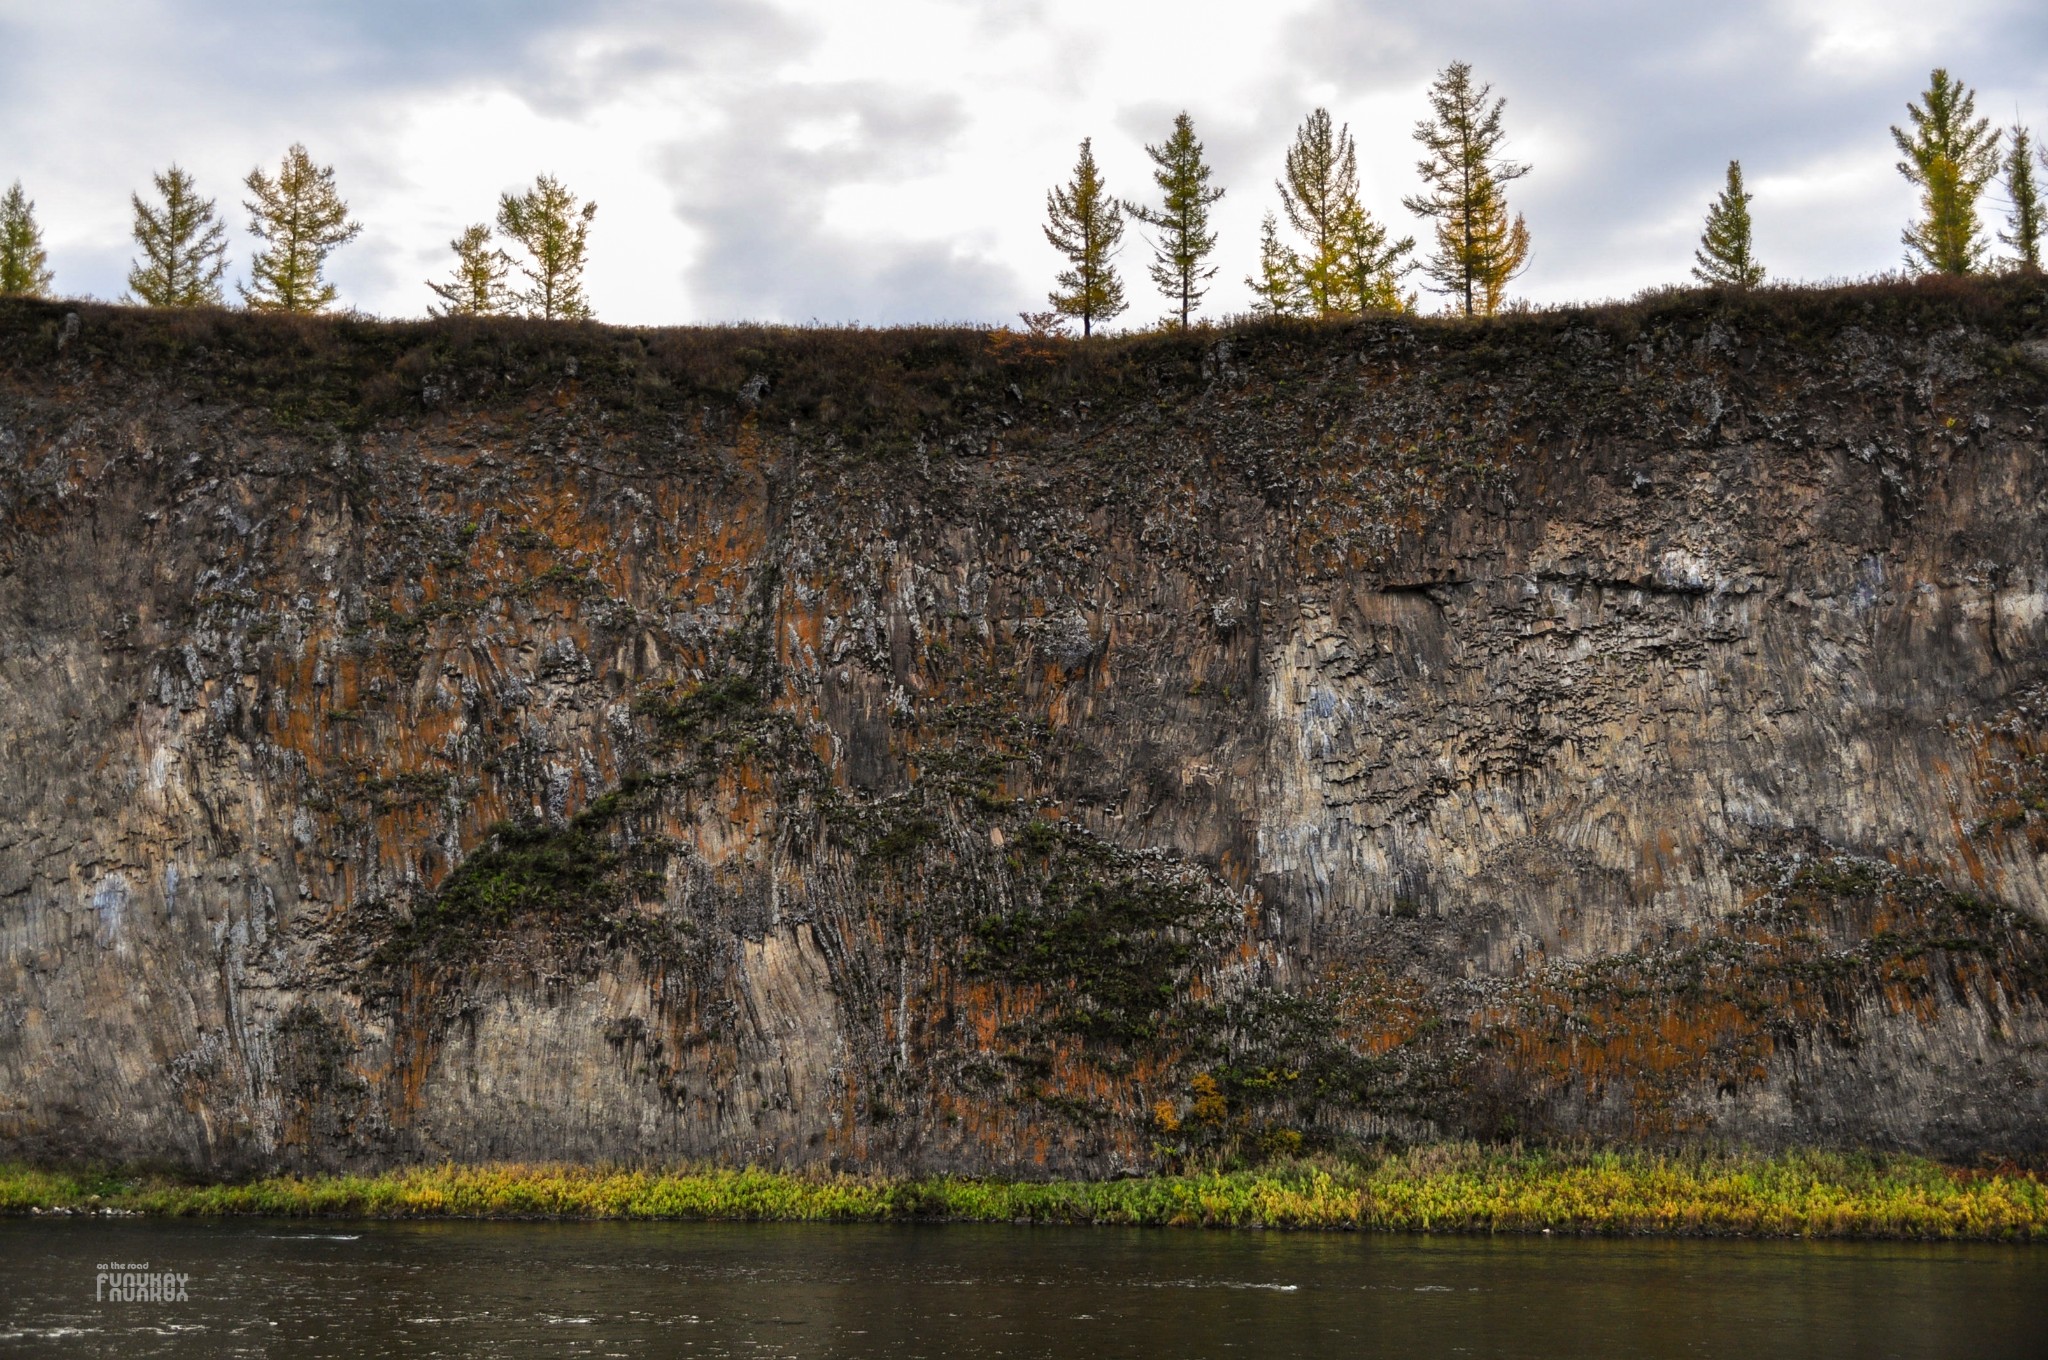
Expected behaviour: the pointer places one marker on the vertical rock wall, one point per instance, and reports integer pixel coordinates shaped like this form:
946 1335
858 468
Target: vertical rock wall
950 752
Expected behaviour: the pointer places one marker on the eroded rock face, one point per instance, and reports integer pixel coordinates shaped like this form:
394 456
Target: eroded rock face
940 752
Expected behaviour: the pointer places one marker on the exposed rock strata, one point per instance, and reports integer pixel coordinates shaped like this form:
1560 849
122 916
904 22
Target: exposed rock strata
925 750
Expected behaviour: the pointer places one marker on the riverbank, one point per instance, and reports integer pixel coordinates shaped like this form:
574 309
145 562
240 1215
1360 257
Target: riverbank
1455 1189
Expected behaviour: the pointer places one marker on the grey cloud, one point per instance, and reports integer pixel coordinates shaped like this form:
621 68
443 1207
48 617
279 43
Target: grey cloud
386 42
381 44
324 62
1008 16
640 40
760 201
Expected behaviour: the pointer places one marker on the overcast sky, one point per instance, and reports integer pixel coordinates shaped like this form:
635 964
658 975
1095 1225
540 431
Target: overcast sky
887 160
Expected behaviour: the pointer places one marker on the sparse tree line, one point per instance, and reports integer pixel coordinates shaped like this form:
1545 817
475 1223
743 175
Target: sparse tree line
1342 260
300 219
1335 259
1952 156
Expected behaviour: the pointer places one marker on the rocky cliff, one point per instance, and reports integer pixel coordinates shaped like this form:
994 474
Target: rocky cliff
949 750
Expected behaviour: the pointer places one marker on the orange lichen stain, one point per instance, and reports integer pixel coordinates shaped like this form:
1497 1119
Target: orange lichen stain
802 628
1075 1075
1657 855
1973 864
1715 1021
2010 778
1375 1012
986 1008
414 1046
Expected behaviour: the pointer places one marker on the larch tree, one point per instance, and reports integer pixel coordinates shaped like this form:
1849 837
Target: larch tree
1086 225
1369 268
24 264
1345 261
1725 257
1950 155
184 246
1276 288
2025 219
477 287
1479 248
554 229
1180 256
1319 194
301 220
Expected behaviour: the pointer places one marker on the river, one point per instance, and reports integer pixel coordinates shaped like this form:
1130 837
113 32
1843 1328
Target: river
951 1292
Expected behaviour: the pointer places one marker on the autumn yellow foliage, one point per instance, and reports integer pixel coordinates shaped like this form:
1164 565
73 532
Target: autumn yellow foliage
1454 1187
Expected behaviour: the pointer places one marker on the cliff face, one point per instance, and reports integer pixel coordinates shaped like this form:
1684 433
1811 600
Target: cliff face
938 750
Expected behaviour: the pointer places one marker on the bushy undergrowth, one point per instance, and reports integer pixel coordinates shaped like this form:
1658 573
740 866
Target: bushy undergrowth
1462 1188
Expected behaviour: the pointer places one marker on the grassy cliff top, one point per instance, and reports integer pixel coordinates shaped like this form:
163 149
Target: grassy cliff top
861 385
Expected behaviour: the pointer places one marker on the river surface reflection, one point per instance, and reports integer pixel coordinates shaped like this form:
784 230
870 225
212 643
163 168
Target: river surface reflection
950 1292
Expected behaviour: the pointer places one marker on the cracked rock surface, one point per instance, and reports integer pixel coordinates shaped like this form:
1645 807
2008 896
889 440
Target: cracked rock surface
951 751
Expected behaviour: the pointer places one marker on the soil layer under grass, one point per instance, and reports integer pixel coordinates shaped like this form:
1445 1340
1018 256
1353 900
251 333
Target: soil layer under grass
1458 1188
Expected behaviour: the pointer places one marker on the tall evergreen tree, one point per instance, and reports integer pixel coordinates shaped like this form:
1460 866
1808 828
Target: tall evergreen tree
301 220
1478 248
184 246
1319 194
1951 154
2027 211
1179 257
1276 288
1085 224
1725 257
477 287
24 264
555 230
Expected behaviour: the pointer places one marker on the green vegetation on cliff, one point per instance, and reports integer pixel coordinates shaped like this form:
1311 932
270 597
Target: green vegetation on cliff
1455 1188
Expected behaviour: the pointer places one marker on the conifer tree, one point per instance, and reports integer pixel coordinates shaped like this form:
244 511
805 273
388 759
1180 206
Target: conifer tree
1725 258
477 287
1951 155
24 264
1276 288
301 220
1085 224
1369 269
184 246
1179 257
555 230
1478 248
1345 262
2027 210
1505 245
1319 193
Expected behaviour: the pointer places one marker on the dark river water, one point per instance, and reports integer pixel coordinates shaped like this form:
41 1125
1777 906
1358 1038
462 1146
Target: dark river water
487 1289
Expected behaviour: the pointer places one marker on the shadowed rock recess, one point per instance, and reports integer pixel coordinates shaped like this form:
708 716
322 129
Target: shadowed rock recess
943 750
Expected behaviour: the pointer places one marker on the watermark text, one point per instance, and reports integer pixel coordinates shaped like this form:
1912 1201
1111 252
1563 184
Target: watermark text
135 1282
